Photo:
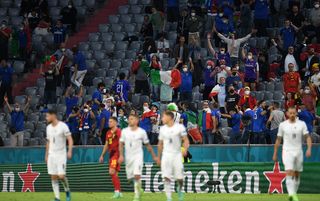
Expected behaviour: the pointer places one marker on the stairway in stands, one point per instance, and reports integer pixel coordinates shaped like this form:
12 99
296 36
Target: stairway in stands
91 25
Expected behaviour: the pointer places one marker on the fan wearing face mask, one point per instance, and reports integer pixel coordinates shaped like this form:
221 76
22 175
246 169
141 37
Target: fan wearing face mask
86 123
51 77
251 69
186 81
247 100
314 15
308 98
209 81
69 16
17 115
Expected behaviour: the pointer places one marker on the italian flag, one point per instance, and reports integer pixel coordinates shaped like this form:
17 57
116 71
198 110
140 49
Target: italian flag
171 78
215 91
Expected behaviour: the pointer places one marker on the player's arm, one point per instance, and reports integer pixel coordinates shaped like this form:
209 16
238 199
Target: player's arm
47 152
121 158
309 145
150 150
104 151
160 148
70 146
275 149
186 145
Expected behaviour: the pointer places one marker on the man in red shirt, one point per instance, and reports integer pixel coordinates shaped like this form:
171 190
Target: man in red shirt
5 34
291 80
247 100
112 146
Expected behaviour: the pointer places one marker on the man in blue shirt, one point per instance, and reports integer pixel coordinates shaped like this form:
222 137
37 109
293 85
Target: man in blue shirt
97 96
122 87
261 17
17 122
186 82
6 73
59 33
80 67
209 81
258 124
307 117
234 79
235 119
247 121
72 99
103 122
288 34
73 120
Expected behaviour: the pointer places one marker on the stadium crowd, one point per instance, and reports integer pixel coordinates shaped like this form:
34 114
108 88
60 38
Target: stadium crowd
263 58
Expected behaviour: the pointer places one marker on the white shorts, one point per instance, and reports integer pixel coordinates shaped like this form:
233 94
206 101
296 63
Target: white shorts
134 167
172 166
57 164
293 160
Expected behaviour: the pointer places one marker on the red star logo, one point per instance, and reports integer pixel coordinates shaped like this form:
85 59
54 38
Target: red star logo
28 177
275 179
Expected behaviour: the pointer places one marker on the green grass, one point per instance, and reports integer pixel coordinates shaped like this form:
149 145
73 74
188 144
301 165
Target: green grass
154 197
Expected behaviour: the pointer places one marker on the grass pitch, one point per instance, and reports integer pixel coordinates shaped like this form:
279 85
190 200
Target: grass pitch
154 197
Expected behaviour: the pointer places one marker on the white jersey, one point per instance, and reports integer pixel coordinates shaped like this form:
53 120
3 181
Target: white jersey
133 141
171 137
57 136
292 134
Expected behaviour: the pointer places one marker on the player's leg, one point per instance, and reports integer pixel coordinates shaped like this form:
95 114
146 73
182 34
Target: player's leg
116 182
62 166
167 188
137 188
167 173
55 187
178 172
288 161
53 172
297 169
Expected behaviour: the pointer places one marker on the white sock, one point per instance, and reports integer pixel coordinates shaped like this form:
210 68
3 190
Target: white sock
297 183
290 183
137 188
167 189
55 188
65 184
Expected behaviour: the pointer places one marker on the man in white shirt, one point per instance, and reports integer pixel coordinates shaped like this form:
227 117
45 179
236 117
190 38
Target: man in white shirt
315 78
292 132
170 140
290 59
132 140
56 153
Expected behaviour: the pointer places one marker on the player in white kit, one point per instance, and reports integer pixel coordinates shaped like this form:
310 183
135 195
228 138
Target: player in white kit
132 140
170 140
56 153
292 132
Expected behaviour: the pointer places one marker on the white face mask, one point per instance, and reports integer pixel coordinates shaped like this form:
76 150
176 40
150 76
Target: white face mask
86 110
307 91
222 51
208 67
206 109
225 21
220 14
316 5
50 71
247 92
145 108
69 6
228 68
17 109
250 57
185 69
193 14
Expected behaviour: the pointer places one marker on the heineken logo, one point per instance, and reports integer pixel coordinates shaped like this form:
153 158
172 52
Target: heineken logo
249 178
234 181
